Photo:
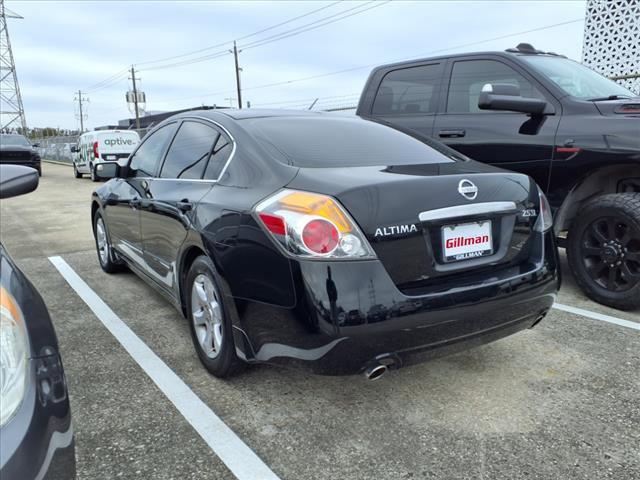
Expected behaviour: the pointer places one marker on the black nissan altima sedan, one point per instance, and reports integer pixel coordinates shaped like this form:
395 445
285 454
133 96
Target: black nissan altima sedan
327 242
36 434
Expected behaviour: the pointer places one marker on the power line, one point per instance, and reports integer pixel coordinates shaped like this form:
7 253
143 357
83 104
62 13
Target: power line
315 24
352 69
280 36
122 77
305 101
211 56
241 38
99 84
109 81
117 77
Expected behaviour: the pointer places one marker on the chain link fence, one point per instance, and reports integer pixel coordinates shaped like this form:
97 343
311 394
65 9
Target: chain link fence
56 148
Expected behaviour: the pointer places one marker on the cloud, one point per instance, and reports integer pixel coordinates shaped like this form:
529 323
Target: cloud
61 47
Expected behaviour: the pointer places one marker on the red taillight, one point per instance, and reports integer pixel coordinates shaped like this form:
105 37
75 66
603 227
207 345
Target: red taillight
274 223
320 236
312 225
95 150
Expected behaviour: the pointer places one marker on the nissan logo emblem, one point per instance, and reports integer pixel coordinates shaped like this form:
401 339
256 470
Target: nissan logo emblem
468 189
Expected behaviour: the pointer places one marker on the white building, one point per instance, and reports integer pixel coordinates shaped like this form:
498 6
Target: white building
611 43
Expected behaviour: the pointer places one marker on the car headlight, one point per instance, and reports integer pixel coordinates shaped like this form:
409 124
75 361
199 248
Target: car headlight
14 353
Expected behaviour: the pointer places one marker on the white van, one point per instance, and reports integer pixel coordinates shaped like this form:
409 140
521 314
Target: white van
103 146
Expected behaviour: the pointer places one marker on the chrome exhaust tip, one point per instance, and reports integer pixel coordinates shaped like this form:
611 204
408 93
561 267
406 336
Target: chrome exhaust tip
374 372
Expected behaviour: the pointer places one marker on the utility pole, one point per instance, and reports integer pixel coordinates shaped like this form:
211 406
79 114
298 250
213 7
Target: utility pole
81 99
135 97
11 109
238 70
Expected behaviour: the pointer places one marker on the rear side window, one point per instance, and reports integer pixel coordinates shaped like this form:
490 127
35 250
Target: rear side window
219 157
408 91
188 154
469 76
146 159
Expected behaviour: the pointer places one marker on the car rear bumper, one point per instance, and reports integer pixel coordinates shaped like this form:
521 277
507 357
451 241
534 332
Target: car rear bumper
38 441
350 315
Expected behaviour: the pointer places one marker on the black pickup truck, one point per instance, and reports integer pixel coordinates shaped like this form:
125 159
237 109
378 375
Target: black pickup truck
575 132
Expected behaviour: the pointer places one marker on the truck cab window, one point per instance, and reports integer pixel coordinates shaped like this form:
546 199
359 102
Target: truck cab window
469 76
408 91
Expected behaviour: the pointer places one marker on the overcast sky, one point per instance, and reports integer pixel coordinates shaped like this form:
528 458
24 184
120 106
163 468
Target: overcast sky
61 47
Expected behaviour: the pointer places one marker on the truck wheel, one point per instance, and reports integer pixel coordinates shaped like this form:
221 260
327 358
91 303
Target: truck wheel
93 173
603 248
76 173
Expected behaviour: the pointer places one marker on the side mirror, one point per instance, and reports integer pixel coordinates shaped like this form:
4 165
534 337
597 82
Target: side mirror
75 149
36 145
17 180
107 170
507 97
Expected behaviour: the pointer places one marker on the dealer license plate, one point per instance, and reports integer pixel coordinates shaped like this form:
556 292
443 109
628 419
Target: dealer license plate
467 240
110 157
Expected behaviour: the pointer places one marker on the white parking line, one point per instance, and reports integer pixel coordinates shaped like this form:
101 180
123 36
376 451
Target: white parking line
597 316
235 454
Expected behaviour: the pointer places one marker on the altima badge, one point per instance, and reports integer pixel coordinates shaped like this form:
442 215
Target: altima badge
395 230
468 189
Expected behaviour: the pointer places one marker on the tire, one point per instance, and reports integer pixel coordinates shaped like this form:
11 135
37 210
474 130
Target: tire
603 249
106 256
76 173
209 319
93 173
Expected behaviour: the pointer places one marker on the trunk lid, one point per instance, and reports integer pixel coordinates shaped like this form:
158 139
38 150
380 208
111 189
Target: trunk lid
400 211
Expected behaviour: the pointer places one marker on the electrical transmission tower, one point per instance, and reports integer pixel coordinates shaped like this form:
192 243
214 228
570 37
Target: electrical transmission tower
11 109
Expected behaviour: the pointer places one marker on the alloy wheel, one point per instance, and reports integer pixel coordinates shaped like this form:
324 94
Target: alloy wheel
611 253
206 314
102 242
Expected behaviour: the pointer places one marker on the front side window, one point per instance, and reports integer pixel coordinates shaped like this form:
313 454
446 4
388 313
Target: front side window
469 76
407 91
146 159
188 154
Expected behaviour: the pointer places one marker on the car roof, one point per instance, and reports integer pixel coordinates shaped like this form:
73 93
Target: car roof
238 114
510 53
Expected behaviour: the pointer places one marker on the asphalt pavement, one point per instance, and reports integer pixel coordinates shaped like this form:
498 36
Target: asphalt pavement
560 401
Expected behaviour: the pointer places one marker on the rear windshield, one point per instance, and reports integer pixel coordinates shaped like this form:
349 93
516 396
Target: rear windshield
326 141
